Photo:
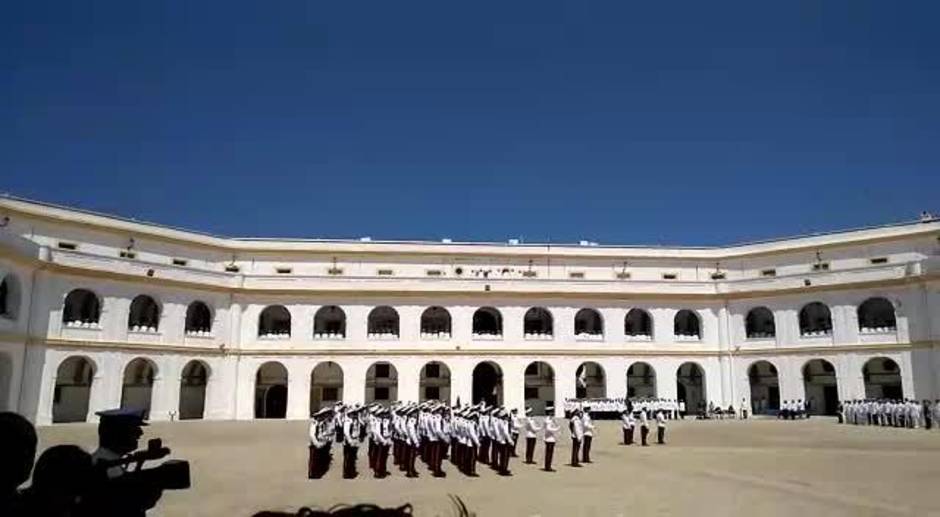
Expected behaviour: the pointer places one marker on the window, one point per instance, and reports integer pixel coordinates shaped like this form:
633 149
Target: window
876 315
274 322
435 272
529 273
386 272
432 393
330 394
718 276
329 323
382 371
588 324
821 266
82 309
144 315
381 393
531 392
383 323
335 271
879 260
638 324
487 321
127 254
9 297
576 274
432 371
537 323
623 275
284 270
435 323
198 319
815 320
232 268
180 262
768 272
686 326
67 246
669 276
759 323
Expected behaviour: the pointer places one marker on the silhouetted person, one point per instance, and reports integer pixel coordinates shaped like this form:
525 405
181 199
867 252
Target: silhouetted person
17 453
124 492
62 480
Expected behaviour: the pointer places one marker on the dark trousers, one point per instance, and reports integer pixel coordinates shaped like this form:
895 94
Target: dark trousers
660 435
472 461
504 458
496 449
411 455
644 431
549 452
515 440
381 460
586 449
483 455
349 461
529 450
575 449
628 436
313 455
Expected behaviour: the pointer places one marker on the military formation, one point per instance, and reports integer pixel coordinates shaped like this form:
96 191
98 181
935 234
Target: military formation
909 414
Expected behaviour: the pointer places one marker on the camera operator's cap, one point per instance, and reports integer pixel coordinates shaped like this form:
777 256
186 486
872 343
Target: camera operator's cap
123 416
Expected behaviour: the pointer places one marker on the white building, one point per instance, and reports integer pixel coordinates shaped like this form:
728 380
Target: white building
99 311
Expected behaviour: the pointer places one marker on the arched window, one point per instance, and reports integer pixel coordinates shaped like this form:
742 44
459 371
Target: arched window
687 326
9 297
638 324
81 309
144 315
329 323
759 323
487 322
876 315
588 324
815 320
274 322
383 323
435 323
198 319
537 323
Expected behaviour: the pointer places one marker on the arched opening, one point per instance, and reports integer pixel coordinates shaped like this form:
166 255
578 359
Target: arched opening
641 381
72 390
686 326
6 381
821 387
274 322
271 391
144 315
539 387
383 323
9 297
435 323
759 323
690 387
82 309
590 381
488 383
876 315
765 388
137 391
638 325
537 323
487 322
882 379
329 323
435 382
193 384
326 386
198 319
815 320
381 383
588 324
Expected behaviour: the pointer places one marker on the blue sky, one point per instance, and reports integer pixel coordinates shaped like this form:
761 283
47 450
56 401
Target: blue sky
641 123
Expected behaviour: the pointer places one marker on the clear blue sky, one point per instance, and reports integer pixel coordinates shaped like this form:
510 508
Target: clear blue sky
622 122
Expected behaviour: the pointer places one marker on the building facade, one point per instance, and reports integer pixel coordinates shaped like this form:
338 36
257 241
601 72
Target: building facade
98 311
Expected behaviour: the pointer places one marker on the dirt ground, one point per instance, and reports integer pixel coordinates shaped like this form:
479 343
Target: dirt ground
754 467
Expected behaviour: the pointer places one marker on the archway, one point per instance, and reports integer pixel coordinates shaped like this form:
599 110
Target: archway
326 386
539 387
137 392
6 381
193 384
765 388
641 381
876 315
588 324
820 387
590 381
487 321
690 387
72 390
329 323
882 379
537 323
435 323
435 382
488 383
271 391
381 383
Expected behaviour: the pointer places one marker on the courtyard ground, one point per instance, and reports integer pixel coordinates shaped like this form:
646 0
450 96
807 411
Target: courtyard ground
754 467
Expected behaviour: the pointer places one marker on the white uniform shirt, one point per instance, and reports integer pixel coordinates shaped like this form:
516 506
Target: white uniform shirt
588 424
551 430
531 428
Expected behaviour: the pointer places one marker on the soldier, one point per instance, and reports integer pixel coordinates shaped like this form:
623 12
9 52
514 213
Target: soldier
660 428
576 429
550 436
644 428
413 443
353 433
383 435
515 428
626 423
316 462
531 434
588 426
472 439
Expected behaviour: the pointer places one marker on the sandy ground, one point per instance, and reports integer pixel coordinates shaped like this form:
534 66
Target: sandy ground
754 467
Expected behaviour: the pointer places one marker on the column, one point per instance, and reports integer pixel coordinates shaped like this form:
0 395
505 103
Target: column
298 388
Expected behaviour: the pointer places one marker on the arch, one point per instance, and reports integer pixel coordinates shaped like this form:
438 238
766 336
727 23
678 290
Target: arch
329 322
434 382
820 387
488 383
383 323
539 387
198 319
638 324
9 296
686 325
381 383
435 323
271 390
82 308
877 315
765 387
882 377
759 323
73 381
641 381
193 383
144 315
590 381
6 381
815 320
137 391
326 385
588 323
487 321
538 322
690 387
274 322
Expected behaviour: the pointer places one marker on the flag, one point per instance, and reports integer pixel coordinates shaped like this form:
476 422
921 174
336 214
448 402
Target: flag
582 380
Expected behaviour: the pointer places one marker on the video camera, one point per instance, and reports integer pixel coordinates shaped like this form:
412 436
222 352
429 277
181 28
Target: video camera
169 475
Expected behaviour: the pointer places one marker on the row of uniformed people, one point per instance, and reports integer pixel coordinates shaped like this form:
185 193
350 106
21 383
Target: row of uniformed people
672 409
629 420
890 413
